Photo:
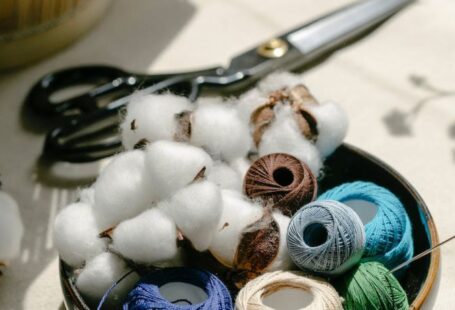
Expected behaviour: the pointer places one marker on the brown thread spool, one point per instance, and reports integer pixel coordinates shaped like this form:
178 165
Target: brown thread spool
298 97
280 180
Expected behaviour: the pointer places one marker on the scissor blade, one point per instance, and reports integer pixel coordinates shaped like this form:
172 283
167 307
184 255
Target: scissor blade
314 39
343 24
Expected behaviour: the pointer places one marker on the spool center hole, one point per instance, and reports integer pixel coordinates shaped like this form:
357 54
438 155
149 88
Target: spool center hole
315 234
365 210
289 298
181 293
283 176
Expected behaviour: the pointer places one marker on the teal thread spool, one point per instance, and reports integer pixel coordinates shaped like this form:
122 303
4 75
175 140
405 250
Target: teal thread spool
388 234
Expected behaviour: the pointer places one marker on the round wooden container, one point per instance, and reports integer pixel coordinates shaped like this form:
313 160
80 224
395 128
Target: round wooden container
349 163
33 29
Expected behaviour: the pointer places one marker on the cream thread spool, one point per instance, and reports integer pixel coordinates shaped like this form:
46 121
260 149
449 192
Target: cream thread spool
323 295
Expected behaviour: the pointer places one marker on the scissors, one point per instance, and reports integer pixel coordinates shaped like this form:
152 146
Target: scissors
89 131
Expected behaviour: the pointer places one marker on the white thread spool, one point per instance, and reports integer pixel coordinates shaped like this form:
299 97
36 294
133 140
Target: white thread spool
276 290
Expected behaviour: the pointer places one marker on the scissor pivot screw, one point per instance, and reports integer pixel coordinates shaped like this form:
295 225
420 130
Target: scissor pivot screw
274 48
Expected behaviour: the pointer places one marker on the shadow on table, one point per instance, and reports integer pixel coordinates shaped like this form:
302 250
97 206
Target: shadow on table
131 36
400 122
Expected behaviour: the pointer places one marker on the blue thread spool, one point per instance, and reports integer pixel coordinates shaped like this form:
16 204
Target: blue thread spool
326 237
146 295
388 234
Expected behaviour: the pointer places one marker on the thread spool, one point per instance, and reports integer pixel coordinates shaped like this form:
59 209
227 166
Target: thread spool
326 237
319 294
150 291
281 180
388 234
370 285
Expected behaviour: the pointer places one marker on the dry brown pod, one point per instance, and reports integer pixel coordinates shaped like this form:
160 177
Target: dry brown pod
258 247
298 97
141 144
282 181
183 133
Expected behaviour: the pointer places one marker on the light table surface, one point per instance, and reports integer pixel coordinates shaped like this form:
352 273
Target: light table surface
410 127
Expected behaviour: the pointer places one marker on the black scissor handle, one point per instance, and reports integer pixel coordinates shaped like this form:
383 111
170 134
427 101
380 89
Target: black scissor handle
40 96
62 143
95 135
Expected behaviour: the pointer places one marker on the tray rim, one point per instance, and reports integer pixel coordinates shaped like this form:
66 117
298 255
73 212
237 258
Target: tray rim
435 256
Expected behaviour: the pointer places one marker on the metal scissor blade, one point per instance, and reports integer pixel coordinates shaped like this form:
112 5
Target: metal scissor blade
303 44
289 51
343 24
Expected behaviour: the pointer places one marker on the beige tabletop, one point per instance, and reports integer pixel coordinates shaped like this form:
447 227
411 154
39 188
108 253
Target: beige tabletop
397 86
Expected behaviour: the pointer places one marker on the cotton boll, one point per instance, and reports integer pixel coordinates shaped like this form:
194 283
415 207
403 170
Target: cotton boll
87 195
148 238
282 261
284 136
241 165
100 273
237 214
11 227
122 190
152 117
279 80
196 210
76 234
225 177
249 102
332 126
173 165
209 101
177 261
218 129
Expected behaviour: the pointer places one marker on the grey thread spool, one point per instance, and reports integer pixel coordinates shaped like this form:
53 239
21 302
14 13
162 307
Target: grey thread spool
326 237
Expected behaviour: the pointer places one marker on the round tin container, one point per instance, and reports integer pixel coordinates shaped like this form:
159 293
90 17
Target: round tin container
346 164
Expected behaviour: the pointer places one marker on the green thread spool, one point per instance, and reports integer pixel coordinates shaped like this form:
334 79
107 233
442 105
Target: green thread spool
371 286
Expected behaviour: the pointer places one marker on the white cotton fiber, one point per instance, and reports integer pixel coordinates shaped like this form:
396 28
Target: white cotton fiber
173 165
332 126
284 136
282 261
249 102
100 273
87 195
241 165
177 261
225 177
11 227
149 237
152 117
196 210
217 128
76 234
122 190
237 214
279 80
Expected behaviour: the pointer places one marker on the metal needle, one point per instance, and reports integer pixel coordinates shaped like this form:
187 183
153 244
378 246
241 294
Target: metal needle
426 252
